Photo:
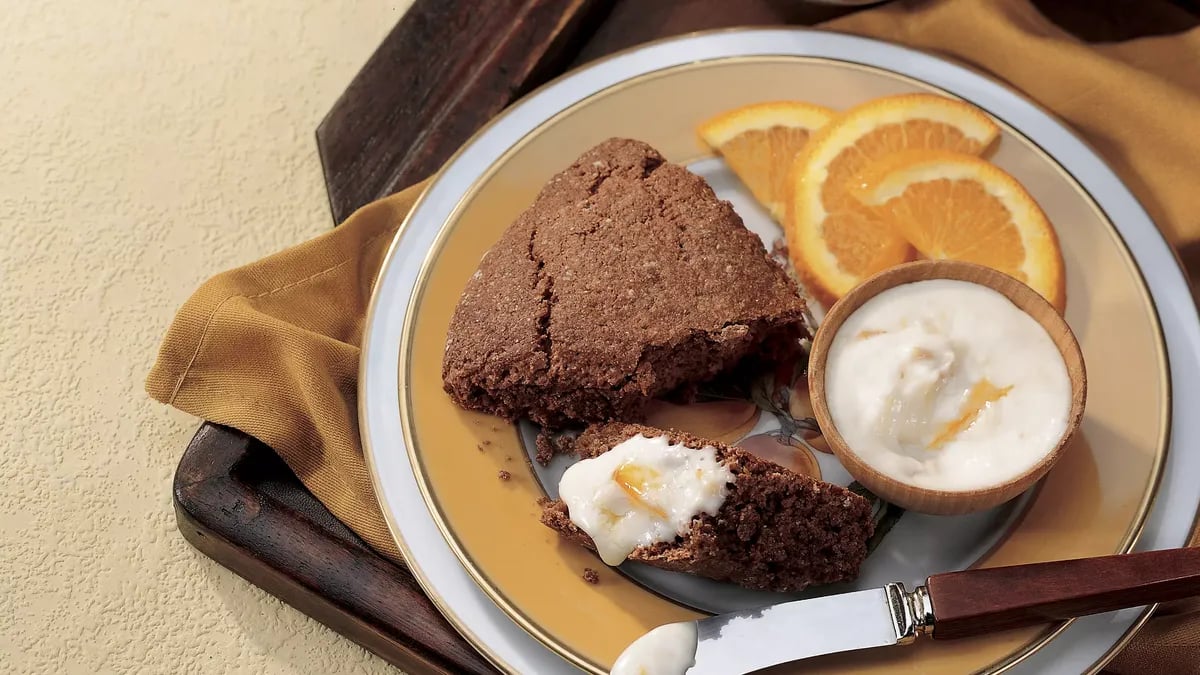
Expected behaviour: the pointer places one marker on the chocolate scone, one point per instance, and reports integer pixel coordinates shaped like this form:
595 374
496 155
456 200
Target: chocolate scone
775 530
625 280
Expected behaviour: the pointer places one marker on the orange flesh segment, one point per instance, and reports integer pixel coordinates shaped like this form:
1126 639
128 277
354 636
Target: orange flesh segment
957 220
982 394
862 243
762 160
635 480
953 206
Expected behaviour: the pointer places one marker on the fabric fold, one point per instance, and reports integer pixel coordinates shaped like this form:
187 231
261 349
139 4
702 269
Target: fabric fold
272 349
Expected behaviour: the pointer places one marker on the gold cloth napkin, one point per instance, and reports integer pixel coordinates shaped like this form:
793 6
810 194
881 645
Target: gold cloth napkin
272 348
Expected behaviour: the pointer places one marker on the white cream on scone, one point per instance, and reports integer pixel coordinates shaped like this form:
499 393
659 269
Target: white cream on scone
642 491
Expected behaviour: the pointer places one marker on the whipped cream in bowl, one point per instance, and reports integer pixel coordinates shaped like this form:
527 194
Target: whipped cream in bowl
946 387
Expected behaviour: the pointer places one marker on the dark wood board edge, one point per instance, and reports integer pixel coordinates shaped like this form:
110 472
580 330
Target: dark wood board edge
443 72
331 577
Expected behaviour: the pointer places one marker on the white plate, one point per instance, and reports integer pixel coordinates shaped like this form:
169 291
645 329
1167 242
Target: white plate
1079 648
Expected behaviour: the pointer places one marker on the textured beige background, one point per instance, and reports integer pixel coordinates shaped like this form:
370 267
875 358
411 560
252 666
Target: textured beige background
144 146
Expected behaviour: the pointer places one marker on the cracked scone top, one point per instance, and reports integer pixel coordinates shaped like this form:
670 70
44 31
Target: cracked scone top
625 280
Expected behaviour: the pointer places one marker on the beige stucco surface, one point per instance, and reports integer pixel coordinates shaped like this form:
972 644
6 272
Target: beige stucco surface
144 146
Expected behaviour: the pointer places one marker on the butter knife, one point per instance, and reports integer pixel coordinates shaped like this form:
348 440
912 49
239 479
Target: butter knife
948 606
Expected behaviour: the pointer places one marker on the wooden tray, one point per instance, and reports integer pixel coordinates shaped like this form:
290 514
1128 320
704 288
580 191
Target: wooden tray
447 68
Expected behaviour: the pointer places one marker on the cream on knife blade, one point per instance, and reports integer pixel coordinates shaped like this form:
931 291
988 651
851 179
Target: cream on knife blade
948 606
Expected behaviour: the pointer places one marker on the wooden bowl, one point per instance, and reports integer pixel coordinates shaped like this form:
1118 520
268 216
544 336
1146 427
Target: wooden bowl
920 499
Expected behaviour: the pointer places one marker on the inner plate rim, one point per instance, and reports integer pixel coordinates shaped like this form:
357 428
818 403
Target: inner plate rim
718 50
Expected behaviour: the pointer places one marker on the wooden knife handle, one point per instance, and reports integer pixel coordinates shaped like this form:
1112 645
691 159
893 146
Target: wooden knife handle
985 600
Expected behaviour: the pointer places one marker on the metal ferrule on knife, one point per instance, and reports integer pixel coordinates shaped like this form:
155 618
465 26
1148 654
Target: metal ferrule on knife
912 613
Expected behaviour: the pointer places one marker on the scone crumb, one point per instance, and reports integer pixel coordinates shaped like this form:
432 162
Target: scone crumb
591 576
504 475
779 249
545 449
550 445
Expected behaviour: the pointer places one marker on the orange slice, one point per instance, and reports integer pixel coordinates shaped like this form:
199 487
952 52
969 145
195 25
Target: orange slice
759 143
833 243
957 206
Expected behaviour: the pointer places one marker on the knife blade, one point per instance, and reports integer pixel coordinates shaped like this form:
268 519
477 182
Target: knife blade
797 630
948 606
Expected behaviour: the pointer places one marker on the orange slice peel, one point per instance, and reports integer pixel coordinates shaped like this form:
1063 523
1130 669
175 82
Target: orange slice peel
955 206
760 141
833 242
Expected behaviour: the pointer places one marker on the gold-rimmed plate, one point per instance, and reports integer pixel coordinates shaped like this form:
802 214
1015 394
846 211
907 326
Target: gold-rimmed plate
435 466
